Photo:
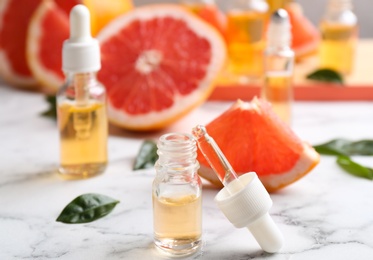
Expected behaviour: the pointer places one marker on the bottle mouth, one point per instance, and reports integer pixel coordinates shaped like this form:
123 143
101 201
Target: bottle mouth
177 147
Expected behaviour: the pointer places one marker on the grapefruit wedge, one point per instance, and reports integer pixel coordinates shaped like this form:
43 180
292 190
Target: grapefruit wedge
305 36
253 138
158 63
14 18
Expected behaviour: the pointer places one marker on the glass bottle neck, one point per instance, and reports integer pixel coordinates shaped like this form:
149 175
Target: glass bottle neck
177 153
81 83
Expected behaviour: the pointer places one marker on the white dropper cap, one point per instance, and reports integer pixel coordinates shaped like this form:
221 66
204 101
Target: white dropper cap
80 53
279 29
249 207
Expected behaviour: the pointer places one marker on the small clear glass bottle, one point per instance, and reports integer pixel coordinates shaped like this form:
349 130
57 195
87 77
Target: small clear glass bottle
278 65
177 201
339 36
81 103
245 37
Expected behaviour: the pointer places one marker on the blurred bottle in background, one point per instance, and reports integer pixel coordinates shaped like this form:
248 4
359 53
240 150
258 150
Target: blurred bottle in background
246 23
278 64
339 36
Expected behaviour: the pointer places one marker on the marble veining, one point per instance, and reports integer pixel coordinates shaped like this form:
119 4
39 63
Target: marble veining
326 215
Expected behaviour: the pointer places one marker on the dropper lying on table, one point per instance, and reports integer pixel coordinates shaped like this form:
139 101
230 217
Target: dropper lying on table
243 200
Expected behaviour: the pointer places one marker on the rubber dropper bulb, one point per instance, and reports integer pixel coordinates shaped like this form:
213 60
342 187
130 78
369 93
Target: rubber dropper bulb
81 52
80 30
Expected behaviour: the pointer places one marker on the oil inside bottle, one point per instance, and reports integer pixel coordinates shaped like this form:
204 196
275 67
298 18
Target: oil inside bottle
177 223
337 46
278 90
83 133
245 42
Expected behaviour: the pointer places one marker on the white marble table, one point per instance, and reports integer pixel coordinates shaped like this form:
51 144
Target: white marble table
326 215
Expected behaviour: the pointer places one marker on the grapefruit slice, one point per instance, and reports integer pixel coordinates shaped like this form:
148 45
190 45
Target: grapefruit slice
48 28
253 138
158 63
14 18
305 36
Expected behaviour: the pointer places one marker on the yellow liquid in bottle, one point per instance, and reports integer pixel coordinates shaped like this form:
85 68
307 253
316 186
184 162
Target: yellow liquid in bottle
245 43
83 134
337 47
178 223
278 91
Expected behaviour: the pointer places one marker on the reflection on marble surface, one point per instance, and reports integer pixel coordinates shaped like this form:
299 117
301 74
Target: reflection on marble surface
326 215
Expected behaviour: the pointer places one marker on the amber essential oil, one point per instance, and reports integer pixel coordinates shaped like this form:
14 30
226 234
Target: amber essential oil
245 42
278 90
177 221
83 135
338 46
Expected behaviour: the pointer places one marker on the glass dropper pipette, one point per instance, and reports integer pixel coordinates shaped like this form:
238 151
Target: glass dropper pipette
216 159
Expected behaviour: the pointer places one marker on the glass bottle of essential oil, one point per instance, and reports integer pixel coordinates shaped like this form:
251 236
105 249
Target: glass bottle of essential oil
81 103
245 37
278 65
177 189
339 36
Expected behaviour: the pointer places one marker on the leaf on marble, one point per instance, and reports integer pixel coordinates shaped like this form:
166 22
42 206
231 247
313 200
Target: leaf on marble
346 147
87 208
354 168
147 155
52 110
326 75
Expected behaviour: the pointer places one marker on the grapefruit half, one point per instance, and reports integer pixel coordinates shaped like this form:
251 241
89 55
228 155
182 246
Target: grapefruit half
253 138
158 63
14 18
49 27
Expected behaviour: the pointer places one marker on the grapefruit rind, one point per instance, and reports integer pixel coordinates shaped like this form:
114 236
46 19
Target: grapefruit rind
182 104
6 70
274 182
273 179
47 78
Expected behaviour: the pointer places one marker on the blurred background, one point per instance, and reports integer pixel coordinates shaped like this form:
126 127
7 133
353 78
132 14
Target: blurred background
314 10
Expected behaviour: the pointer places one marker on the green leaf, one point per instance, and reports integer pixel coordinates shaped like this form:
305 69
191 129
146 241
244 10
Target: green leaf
354 168
52 110
147 155
326 75
87 208
346 147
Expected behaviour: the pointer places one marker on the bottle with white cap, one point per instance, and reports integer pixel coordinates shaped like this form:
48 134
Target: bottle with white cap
243 200
278 65
81 103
